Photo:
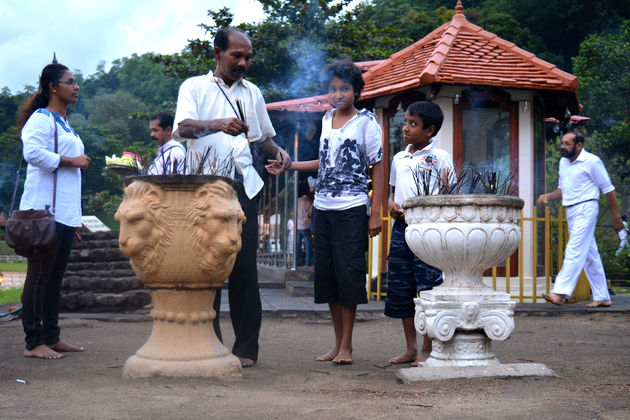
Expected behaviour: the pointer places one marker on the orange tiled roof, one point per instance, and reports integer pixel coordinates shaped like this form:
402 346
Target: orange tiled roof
459 52
312 104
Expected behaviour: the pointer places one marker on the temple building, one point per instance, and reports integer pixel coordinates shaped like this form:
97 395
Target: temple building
496 99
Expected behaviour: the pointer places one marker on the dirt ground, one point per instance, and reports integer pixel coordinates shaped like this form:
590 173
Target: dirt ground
591 353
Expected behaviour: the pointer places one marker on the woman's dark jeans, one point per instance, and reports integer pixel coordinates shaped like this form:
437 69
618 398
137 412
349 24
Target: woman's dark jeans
42 292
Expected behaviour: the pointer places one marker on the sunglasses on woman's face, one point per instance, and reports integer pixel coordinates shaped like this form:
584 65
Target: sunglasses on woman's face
69 82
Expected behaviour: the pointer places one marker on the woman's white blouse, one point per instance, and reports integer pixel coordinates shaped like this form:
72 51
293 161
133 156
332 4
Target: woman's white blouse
38 137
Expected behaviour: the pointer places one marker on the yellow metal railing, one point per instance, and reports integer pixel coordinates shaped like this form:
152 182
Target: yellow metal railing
553 240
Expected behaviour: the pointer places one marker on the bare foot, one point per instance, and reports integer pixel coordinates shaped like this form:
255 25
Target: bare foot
553 298
406 357
61 346
327 357
596 303
344 357
42 352
245 362
422 357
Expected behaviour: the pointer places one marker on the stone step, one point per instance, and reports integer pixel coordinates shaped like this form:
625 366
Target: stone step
105 244
101 273
101 284
299 274
97 255
299 288
100 266
90 301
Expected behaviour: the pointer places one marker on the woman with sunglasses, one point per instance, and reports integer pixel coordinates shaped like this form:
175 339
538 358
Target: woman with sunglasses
43 117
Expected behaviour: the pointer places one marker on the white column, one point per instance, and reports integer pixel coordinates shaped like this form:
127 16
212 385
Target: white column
526 178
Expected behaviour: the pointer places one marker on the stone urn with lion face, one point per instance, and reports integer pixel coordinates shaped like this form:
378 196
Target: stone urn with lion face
182 234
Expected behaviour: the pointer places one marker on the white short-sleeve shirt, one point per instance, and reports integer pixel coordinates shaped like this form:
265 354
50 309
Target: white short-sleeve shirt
170 153
405 163
345 156
38 137
582 179
200 98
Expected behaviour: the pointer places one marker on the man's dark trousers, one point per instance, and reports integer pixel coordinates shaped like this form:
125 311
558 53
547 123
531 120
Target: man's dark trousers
243 293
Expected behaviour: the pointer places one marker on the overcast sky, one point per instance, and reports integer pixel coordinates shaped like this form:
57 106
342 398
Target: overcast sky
85 32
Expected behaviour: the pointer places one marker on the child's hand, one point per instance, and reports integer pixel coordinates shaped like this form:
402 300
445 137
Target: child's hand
374 224
275 167
395 211
283 158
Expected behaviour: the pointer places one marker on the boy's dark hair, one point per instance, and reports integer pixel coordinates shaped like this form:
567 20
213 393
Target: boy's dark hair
577 137
430 113
624 217
222 38
165 118
346 71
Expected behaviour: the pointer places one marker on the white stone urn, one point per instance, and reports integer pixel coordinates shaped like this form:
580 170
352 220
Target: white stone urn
463 235
182 234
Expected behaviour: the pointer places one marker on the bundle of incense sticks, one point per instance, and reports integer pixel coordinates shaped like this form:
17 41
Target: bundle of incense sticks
241 114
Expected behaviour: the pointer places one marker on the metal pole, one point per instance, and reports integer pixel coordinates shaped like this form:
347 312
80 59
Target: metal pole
285 199
277 216
295 194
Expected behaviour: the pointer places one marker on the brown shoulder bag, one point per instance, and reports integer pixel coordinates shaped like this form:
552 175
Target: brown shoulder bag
32 233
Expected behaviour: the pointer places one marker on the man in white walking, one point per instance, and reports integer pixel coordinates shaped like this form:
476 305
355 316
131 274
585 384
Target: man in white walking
623 235
581 177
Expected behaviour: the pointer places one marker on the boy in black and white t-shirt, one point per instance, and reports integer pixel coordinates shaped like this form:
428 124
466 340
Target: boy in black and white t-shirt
351 143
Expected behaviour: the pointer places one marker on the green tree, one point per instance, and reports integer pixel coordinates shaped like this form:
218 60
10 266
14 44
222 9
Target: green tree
291 45
558 26
603 68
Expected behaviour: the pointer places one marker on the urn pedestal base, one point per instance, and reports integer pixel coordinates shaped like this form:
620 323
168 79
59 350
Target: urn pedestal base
462 324
502 370
183 342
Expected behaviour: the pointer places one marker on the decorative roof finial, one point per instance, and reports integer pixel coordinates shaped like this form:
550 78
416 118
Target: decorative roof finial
459 8
55 58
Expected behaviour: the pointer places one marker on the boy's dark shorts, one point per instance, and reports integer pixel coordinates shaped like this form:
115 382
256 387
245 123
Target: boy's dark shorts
341 241
406 275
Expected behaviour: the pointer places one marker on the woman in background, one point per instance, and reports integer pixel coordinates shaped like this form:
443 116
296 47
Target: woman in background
42 114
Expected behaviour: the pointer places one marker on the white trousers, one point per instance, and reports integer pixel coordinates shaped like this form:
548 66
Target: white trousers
581 253
623 241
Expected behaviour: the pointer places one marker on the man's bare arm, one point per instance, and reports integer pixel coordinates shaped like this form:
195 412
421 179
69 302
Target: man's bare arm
554 195
614 207
193 129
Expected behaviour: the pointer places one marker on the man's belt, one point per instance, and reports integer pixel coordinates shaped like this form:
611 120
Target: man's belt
582 202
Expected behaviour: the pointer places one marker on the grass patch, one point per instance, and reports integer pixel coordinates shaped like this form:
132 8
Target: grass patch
10 295
4 248
13 266
621 290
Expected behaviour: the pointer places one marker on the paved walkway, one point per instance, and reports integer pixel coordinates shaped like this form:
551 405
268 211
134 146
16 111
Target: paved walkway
277 300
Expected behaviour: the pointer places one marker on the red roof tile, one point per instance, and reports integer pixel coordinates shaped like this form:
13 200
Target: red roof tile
459 52
312 104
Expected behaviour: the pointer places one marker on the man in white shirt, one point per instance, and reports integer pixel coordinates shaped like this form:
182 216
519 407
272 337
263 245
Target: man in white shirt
171 155
581 177
623 235
225 112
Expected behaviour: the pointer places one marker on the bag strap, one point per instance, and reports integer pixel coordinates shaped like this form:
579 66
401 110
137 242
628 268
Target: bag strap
17 178
55 183
227 99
